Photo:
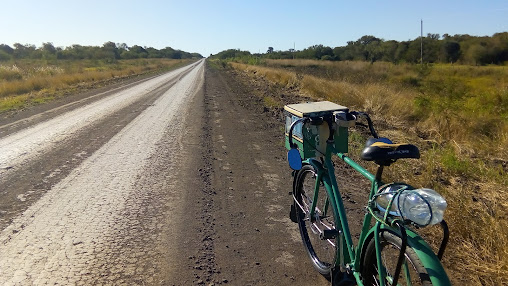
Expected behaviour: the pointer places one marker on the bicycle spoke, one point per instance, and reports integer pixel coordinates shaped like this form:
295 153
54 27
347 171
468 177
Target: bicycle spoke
312 228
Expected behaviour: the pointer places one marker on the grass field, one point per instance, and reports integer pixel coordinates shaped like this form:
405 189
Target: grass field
457 115
29 82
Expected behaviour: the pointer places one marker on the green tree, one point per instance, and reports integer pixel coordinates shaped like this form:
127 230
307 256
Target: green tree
5 52
339 53
373 51
47 51
365 48
400 52
450 51
413 52
7 49
231 54
109 51
154 53
316 52
388 51
139 51
479 54
23 51
122 47
349 51
4 56
431 48
499 44
48 48
367 39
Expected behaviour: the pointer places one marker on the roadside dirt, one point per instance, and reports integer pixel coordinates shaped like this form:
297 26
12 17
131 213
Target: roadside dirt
247 236
235 229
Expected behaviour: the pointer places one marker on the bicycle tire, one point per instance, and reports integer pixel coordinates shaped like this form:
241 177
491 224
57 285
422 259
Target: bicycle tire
390 249
322 252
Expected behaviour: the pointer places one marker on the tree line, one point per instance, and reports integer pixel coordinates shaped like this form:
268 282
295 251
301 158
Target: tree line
463 49
108 51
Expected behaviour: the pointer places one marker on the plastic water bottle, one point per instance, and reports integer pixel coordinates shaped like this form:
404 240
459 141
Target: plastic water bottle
422 206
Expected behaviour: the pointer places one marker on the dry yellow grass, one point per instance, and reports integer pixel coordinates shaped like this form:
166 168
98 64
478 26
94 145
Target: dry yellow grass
464 164
31 82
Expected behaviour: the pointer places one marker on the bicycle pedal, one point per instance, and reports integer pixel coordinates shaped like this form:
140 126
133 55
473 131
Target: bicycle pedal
341 278
344 282
292 214
328 234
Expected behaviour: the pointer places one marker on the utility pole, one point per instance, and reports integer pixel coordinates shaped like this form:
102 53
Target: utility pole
421 42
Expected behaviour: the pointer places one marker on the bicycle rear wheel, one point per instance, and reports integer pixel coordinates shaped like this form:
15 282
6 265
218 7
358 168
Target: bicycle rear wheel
412 270
321 250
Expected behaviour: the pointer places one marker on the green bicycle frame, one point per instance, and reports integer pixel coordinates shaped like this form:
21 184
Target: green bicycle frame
347 253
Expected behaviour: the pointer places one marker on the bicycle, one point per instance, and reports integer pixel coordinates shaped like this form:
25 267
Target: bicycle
388 250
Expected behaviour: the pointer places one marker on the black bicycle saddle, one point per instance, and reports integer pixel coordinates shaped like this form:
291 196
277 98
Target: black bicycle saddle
384 152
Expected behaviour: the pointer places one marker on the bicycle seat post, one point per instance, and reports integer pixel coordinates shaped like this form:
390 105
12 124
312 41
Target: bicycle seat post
379 173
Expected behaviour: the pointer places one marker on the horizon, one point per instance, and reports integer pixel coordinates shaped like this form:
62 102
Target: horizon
135 44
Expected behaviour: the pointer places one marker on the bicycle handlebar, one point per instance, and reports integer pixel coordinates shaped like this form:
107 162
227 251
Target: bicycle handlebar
359 115
355 114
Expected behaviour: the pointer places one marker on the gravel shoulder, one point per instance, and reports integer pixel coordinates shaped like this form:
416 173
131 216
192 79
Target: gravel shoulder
255 243
247 211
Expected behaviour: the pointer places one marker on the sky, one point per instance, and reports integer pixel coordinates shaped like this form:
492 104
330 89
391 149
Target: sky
208 27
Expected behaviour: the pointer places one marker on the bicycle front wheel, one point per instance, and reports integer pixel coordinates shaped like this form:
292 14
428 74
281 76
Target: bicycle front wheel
412 272
318 232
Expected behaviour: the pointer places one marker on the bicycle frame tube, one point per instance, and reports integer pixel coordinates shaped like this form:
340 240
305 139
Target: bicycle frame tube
357 167
331 184
326 174
368 217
